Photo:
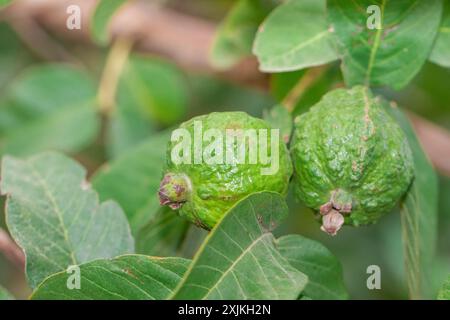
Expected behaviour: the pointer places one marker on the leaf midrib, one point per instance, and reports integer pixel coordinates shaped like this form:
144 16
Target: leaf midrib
56 208
376 45
235 262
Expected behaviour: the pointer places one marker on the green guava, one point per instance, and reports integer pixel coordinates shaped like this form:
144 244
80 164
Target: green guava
352 161
208 169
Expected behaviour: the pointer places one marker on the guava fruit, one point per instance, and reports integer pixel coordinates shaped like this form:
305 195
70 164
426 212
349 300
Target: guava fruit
352 161
211 165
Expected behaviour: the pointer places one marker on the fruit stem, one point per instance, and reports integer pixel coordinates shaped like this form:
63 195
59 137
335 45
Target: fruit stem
174 190
306 81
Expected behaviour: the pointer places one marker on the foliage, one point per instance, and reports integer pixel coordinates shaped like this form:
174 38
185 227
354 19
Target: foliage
80 183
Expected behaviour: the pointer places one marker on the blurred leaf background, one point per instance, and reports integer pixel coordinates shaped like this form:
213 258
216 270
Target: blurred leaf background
46 104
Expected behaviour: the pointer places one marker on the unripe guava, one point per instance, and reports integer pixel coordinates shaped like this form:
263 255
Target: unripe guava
352 161
204 190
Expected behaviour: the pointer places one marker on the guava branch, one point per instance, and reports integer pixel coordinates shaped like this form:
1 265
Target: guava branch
11 250
186 40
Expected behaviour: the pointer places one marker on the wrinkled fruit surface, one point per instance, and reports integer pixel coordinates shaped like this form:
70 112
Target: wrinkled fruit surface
352 161
203 193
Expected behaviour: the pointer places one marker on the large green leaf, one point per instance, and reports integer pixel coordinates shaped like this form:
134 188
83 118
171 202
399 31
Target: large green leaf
49 107
163 235
324 271
235 36
294 36
4 294
419 217
239 259
391 55
133 180
151 93
129 277
101 18
444 293
441 50
56 218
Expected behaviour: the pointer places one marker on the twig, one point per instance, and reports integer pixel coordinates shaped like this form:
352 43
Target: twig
306 81
11 250
114 66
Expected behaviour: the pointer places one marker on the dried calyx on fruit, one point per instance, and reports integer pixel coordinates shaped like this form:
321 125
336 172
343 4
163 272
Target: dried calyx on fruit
215 160
352 160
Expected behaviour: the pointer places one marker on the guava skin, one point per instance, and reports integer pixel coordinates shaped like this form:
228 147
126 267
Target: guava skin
350 158
214 188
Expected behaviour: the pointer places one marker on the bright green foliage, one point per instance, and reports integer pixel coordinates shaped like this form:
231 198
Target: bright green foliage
56 218
129 277
101 18
239 259
294 36
235 36
48 107
4 2
444 293
324 271
4 294
441 50
351 156
392 54
212 189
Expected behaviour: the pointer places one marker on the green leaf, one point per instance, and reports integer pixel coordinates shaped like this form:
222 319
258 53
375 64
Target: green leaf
4 2
280 118
324 271
101 18
49 107
386 56
151 93
441 50
156 87
419 212
444 293
5 295
294 36
126 129
133 180
235 36
13 55
239 260
129 277
163 235
56 218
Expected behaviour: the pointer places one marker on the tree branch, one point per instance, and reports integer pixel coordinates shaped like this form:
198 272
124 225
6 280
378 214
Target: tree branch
186 40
